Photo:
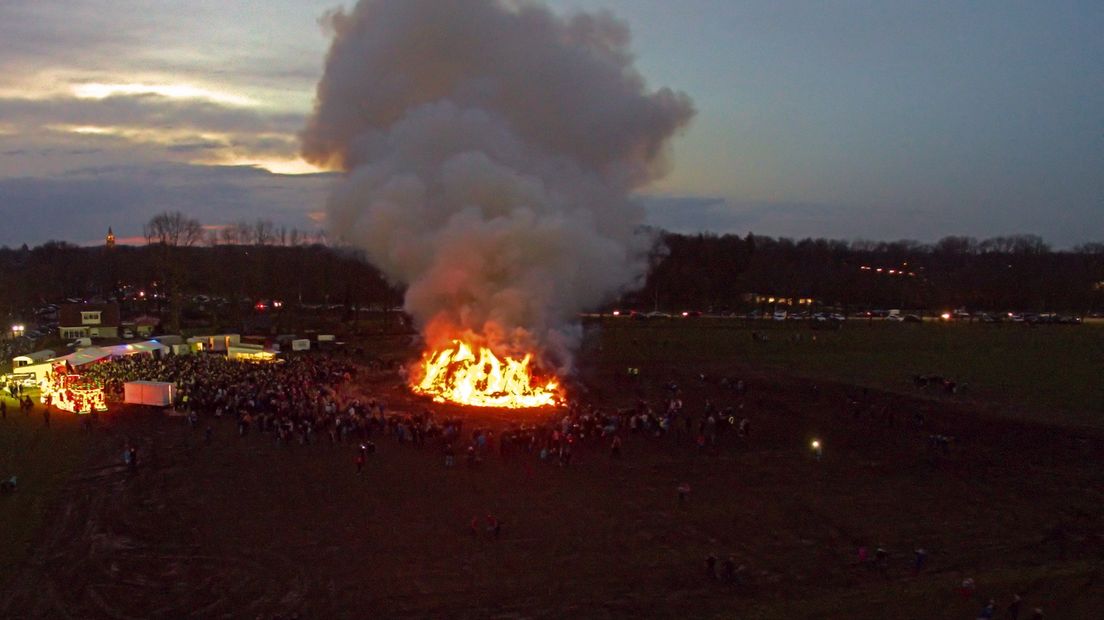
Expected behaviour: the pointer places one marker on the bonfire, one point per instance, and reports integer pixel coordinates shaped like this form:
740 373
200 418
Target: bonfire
456 374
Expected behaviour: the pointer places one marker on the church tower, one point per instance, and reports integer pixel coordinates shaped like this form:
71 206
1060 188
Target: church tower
109 241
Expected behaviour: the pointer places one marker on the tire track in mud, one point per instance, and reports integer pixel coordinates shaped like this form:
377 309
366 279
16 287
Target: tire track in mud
121 545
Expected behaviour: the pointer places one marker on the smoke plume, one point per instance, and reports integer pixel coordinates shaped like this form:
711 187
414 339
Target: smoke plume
491 148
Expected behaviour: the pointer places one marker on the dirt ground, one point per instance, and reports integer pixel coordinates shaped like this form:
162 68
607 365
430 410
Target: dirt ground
243 528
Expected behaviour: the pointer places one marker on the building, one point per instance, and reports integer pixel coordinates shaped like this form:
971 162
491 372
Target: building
109 241
142 326
779 300
88 321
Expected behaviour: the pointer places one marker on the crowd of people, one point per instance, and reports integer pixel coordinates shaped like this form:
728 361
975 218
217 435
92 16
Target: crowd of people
298 395
300 401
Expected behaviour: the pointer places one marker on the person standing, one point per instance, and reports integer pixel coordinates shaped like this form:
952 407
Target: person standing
494 527
881 560
728 569
921 559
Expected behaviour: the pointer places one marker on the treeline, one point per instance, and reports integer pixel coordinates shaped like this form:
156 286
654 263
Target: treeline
310 274
689 272
724 272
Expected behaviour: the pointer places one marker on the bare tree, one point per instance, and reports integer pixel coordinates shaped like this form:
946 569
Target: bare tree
171 233
230 235
264 232
173 228
245 232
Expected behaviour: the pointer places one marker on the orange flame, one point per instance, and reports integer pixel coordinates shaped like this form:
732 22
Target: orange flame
455 375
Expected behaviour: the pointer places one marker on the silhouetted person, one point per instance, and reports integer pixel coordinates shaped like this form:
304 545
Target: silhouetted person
728 569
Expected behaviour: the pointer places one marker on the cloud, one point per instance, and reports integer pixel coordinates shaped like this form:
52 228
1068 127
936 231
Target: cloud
232 51
696 214
57 130
80 205
144 111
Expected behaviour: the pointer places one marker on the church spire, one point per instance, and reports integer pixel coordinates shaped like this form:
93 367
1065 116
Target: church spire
109 241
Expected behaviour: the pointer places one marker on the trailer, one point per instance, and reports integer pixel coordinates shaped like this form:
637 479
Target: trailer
153 393
220 343
30 359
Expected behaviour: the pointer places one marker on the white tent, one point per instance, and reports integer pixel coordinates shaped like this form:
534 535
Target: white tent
121 350
75 360
89 355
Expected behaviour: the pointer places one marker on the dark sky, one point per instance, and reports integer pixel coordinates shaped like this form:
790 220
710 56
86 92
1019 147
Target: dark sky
874 119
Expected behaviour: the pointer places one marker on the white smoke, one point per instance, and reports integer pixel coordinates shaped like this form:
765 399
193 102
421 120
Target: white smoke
491 148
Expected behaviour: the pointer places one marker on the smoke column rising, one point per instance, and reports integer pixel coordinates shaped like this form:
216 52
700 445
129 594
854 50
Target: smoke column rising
490 150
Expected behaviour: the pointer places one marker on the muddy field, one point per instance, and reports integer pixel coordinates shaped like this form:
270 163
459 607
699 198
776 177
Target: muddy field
243 528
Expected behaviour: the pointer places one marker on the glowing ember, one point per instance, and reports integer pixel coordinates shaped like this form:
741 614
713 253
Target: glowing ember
456 375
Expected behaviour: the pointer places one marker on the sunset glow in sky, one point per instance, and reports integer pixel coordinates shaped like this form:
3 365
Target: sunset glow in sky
856 119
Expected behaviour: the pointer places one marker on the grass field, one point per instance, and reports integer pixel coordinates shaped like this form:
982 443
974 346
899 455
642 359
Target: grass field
245 528
42 459
1048 373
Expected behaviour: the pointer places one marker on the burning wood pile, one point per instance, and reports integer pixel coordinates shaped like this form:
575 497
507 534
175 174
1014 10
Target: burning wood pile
457 375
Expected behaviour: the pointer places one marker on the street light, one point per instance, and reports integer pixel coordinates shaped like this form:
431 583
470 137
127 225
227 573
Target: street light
17 330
